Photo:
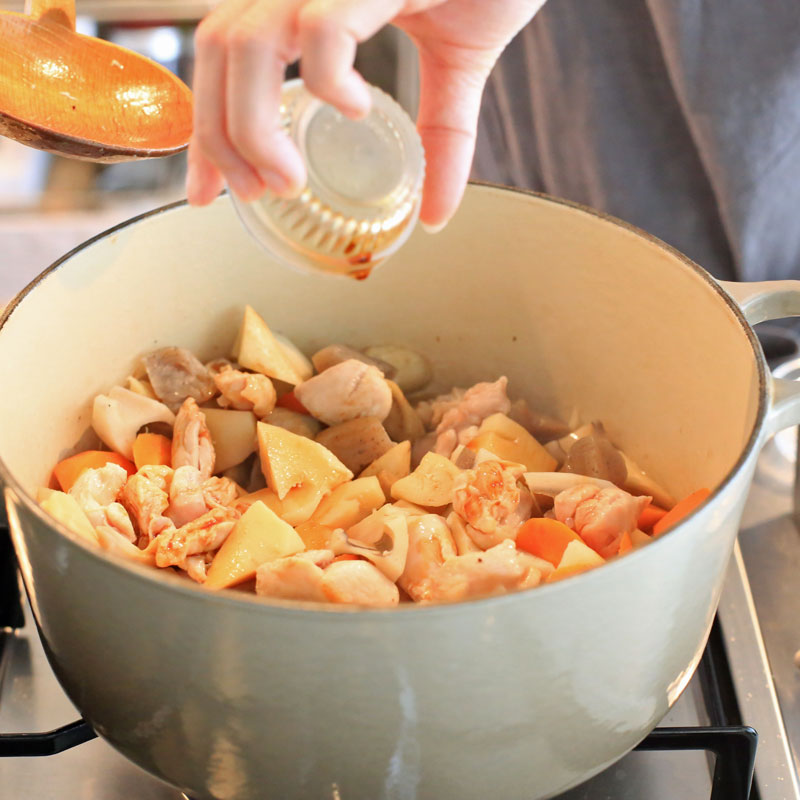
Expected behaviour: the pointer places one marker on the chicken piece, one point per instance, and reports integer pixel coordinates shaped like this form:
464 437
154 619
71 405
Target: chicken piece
187 501
358 583
220 492
345 391
493 501
431 411
191 441
430 544
204 534
96 492
600 516
218 365
246 391
197 567
459 423
175 374
498 570
145 497
113 541
292 578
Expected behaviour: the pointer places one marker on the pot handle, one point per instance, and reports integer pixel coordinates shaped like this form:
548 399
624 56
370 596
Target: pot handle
764 300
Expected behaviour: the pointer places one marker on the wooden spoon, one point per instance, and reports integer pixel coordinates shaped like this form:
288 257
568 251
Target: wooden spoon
82 97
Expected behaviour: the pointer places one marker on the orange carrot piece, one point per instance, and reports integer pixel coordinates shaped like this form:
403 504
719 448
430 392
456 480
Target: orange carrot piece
545 538
152 449
70 469
649 516
291 402
347 557
625 543
680 510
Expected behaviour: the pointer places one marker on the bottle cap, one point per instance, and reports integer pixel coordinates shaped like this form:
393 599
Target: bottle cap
362 197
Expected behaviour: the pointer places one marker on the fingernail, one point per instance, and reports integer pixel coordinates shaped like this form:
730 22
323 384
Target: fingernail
247 190
275 181
433 228
359 100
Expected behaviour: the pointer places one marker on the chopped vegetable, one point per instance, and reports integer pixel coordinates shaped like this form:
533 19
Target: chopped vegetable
66 510
357 442
258 349
625 543
152 449
394 464
233 434
289 460
70 469
650 515
259 536
430 484
336 353
577 557
680 510
546 538
290 401
412 370
119 416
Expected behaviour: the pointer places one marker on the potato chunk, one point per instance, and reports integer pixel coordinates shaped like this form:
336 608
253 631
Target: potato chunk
289 460
430 484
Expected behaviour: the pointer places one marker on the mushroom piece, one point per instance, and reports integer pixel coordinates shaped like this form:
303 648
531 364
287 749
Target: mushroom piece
346 391
381 538
175 374
118 416
336 353
412 370
595 457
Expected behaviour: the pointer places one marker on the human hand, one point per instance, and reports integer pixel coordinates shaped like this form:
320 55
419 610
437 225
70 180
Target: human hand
243 47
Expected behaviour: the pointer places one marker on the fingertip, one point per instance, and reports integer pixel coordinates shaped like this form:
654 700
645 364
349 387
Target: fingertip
203 182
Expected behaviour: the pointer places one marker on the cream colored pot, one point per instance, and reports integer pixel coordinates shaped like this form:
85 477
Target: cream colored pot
227 696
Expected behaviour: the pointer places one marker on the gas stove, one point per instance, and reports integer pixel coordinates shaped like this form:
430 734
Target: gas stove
734 734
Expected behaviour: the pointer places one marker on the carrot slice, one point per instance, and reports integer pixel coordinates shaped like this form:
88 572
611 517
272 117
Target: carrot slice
70 469
625 543
347 557
291 402
680 510
152 449
545 538
650 516
567 572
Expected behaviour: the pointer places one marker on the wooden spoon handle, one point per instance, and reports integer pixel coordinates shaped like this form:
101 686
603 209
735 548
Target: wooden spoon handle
54 12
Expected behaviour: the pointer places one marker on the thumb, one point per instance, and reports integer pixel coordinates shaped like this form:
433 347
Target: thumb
447 121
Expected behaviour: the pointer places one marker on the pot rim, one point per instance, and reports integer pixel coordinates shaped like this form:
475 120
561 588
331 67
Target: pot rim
274 606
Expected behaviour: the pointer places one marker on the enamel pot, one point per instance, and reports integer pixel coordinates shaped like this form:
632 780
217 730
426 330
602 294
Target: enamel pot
227 696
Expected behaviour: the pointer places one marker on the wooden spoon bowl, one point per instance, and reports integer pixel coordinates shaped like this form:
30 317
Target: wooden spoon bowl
83 97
